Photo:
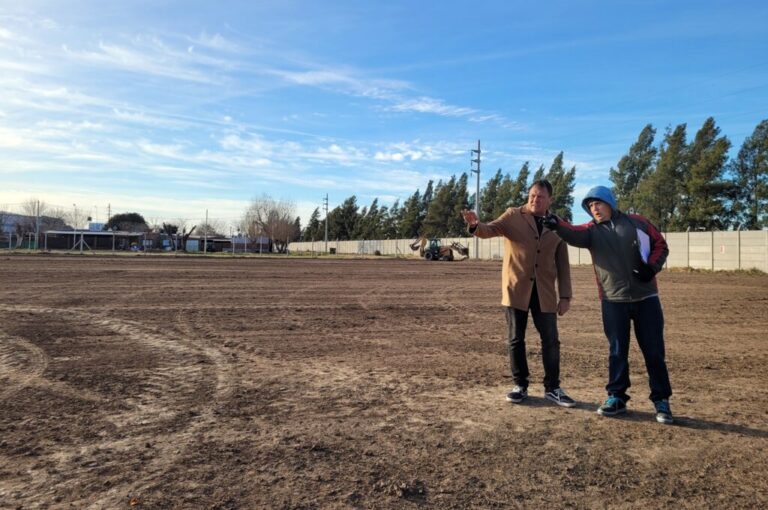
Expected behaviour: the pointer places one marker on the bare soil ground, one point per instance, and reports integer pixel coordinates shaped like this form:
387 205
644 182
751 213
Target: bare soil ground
288 383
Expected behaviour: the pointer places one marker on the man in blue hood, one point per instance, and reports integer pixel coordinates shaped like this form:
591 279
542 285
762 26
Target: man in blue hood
627 252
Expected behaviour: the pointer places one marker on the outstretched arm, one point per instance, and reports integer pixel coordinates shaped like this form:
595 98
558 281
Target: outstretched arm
579 236
483 230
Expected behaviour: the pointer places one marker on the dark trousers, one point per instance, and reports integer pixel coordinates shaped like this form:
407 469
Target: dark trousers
648 320
546 325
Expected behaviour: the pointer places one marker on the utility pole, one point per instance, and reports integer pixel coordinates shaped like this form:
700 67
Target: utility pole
74 225
37 227
325 204
476 170
205 234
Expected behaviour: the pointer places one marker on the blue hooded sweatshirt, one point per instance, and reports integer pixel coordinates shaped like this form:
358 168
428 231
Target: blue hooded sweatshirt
599 193
613 246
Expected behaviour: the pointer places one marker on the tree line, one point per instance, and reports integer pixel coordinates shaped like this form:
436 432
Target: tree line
678 185
683 185
436 212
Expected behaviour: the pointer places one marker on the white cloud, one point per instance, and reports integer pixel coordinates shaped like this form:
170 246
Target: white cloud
236 162
254 144
217 42
91 157
154 121
10 138
431 105
314 77
168 151
347 155
416 151
390 156
178 171
22 66
151 56
69 126
413 155
31 141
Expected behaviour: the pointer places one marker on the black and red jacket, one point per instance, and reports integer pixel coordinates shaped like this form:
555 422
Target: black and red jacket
614 247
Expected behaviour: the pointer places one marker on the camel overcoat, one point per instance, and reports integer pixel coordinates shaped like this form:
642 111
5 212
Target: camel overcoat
529 257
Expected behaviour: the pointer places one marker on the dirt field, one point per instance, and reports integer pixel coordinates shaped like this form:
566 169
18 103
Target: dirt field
273 383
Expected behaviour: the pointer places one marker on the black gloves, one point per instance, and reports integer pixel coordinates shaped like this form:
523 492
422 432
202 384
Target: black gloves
644 273
550 221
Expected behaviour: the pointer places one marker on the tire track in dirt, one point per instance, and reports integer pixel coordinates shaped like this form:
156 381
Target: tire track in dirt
176 382
21 364
168 393
225 376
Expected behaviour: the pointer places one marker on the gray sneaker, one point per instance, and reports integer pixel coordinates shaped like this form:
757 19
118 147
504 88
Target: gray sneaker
517 395
559 397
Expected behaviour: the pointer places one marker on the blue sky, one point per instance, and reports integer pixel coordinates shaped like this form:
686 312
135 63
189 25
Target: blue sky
169 108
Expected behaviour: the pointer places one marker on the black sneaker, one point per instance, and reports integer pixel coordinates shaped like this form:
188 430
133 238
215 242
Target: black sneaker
559 397
663 412
612 406
517 395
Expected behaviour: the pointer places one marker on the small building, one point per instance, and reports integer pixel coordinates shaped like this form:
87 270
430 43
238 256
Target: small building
89 240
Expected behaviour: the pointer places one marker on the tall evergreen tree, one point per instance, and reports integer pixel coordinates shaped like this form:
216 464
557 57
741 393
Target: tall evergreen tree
706 187
426 199
519 190
512 192
489 197
390 221
504 197
409 223
368 226
508 194
459 199
440 210
659 195
342 220
314 231
633 168
563 183
750 177
296 234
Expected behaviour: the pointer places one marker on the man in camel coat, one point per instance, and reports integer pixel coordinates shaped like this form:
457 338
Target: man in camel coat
534 259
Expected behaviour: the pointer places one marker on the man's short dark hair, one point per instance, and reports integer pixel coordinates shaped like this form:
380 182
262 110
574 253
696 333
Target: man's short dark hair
544 184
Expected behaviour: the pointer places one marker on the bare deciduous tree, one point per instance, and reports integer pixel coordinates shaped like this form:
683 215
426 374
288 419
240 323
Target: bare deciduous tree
214 228
271 218
36 217
76 217
178 234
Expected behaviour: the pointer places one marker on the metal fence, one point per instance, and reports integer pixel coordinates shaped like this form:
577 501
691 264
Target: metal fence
698 250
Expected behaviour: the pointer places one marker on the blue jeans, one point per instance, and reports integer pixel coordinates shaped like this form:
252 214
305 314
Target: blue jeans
648 320
546 324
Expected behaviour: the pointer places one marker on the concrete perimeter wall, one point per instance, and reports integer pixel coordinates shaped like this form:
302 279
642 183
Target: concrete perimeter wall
699 250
